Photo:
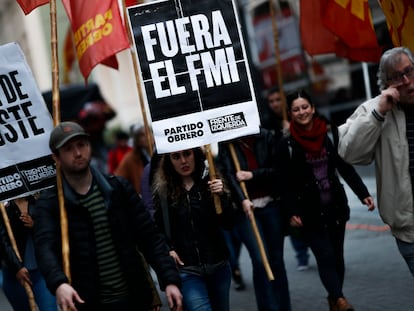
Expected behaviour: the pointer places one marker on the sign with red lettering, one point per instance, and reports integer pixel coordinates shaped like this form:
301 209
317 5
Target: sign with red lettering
25 125
194 72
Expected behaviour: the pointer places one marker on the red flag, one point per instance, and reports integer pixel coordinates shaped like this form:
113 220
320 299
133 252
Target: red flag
400 20
69 55
317 38
351 21
29 5
98 31
372 55
133 2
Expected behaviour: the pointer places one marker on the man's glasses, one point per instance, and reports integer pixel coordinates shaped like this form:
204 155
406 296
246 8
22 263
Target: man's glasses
398 77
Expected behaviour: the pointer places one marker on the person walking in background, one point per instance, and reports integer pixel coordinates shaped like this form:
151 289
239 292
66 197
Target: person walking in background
93 117
381 130
254 154
313 197
275 119
15 272
133 163
107 225
147 182
185 210
118 151
277 123
234 246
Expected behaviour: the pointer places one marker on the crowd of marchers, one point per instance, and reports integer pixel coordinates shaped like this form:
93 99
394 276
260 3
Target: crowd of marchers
170 213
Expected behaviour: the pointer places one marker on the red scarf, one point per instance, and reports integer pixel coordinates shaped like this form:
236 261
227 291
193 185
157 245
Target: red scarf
312 141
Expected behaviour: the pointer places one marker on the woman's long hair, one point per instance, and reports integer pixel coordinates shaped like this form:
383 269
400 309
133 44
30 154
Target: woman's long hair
167 179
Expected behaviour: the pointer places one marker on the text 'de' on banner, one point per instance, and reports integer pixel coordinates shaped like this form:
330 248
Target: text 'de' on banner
26 164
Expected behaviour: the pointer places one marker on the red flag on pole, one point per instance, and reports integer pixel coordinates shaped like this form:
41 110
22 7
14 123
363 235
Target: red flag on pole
316 39
328 27
29 5
351 21
133 2
69 56
400 20
98 32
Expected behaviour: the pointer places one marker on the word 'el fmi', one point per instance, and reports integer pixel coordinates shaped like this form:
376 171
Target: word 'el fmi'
208 47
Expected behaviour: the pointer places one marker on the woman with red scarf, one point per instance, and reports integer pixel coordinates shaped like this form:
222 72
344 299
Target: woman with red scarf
313 197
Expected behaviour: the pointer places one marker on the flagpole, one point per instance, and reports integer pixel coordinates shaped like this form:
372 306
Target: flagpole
212 173
56 121
367 85
148 131
278 61
256 232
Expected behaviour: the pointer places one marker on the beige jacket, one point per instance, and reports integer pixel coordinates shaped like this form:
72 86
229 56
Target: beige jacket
363 139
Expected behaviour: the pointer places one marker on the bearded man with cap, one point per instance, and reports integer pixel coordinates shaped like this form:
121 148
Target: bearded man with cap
107 225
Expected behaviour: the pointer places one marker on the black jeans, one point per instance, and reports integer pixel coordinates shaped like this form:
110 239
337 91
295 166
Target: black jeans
327 245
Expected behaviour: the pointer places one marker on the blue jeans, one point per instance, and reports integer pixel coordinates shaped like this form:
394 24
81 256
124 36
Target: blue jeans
407 251
301 250
207 292
234 245
17 296
270 295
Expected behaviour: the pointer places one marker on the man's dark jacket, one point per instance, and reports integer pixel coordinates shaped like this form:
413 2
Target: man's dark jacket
131 228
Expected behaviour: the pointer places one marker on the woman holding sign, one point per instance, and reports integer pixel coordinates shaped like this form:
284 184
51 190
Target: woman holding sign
184 209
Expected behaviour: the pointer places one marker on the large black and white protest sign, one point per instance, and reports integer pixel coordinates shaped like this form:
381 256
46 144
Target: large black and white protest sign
26 165
194 72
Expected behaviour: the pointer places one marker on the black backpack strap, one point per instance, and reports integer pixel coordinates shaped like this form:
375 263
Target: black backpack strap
165 215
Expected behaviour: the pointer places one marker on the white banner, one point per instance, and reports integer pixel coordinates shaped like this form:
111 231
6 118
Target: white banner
25 125
194 72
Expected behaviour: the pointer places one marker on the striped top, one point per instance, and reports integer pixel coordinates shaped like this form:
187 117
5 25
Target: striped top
113 286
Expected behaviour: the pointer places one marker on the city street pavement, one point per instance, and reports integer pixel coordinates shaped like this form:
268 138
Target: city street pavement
376 278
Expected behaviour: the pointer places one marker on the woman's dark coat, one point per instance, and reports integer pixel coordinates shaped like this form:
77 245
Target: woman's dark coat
300 193
195 227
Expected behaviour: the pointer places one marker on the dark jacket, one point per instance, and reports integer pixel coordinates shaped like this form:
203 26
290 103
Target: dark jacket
274 124
131 228
20 233
300 193
195 227
262 176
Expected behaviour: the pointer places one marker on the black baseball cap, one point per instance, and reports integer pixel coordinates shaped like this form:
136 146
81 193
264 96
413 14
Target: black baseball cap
64 132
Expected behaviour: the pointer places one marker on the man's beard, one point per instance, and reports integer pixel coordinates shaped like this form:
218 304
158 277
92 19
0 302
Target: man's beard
79 171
